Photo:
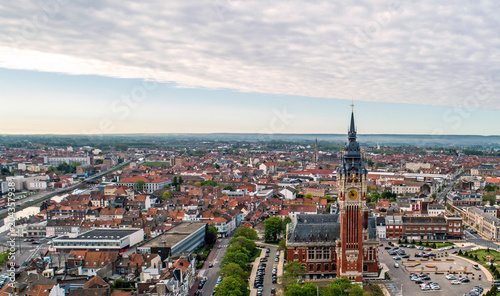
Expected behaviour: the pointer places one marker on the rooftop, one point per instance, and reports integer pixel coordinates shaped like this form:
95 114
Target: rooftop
174 235
102 234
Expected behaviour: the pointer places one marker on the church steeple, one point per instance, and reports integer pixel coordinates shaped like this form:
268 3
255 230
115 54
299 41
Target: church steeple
316 156
352 129
352 161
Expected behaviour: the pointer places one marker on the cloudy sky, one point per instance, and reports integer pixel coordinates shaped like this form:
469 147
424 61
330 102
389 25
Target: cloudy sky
411 67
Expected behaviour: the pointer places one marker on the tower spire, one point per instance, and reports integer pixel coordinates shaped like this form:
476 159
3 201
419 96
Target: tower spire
352 128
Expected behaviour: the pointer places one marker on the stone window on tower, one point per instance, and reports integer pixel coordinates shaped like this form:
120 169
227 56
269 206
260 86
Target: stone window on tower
296 257
370 254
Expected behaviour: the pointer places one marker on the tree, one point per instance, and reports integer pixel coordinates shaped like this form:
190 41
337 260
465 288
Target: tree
51 169
295 269
165 195
246 243
98 161
211 235
239 257
232 269
209 183
342 287
286 220
228 187
490 188
308 289
174 182
197 183
282 245
291 273
232 286
308 195
217 166
139 185
272 229
247 232
489 197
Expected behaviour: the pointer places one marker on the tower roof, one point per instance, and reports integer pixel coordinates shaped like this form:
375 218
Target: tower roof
352 128
352 162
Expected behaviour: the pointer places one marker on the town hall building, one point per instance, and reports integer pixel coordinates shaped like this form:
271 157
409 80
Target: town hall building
344 244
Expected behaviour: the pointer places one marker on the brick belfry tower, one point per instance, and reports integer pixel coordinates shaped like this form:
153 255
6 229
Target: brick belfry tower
352 188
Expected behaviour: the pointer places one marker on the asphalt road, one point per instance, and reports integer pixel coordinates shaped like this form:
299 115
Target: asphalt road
211 273
268 277
25 250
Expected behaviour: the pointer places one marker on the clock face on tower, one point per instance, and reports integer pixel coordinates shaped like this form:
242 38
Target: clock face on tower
353 194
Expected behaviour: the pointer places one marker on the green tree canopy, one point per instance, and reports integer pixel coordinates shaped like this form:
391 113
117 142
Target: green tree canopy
249 245
165 195
232 269
342 287
308 289
139 185
489 187
232 286
308 195
211 235
291 274
247 232
239 257
209 183
229 187
489 197
272 229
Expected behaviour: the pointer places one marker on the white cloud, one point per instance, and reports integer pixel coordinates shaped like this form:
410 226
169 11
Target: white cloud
384 51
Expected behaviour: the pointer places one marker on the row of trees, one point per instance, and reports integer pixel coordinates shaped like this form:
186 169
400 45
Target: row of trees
274 227
235 263
292 278
63 168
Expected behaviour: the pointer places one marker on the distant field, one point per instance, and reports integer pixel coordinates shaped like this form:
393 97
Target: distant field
156 163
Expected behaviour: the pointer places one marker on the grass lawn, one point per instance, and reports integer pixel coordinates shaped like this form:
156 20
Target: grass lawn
481 254
156 163
438 245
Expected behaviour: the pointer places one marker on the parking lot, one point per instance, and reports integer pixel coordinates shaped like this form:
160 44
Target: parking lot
264 272
436 269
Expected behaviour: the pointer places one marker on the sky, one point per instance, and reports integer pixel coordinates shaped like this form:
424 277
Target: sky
282 66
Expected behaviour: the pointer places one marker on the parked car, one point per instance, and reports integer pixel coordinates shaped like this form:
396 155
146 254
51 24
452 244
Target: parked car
464 280
396 265
451 277
456 282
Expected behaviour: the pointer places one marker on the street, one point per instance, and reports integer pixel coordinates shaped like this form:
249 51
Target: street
25 250
211 273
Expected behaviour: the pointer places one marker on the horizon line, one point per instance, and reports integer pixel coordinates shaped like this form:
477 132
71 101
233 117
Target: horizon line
233 133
